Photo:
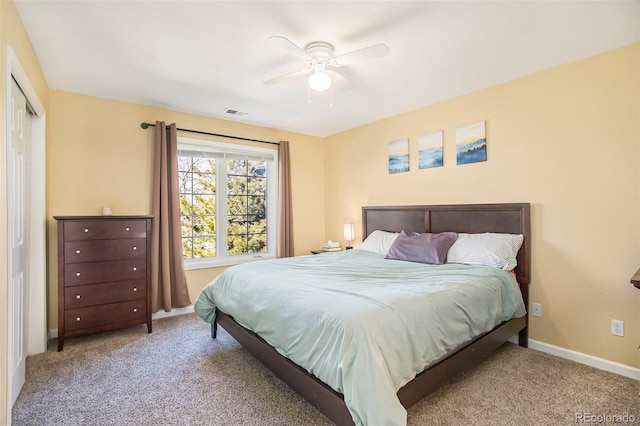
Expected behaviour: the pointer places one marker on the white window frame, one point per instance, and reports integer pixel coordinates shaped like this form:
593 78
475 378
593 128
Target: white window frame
222 258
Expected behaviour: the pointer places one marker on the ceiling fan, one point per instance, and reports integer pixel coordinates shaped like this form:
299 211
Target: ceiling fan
321 62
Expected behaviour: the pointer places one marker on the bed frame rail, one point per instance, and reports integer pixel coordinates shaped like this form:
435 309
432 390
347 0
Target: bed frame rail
331 403
317 393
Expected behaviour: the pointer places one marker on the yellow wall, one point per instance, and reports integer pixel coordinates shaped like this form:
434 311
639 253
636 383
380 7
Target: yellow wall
97 155
11 33
566 140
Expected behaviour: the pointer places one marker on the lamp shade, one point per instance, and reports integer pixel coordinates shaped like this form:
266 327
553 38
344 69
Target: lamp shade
319 81
349 231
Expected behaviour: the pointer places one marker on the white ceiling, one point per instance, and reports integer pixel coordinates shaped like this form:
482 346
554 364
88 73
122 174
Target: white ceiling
205 57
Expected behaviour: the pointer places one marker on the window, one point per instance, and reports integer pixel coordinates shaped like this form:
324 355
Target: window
228 196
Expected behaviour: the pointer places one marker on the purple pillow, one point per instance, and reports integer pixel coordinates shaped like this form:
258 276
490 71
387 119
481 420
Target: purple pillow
423 248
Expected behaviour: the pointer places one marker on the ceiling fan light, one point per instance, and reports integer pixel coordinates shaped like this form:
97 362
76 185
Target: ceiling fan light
319 81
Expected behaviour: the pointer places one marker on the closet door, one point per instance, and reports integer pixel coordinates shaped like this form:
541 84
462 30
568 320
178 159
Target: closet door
17 209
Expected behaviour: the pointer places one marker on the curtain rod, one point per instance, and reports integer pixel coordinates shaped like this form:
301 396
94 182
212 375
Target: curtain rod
146 126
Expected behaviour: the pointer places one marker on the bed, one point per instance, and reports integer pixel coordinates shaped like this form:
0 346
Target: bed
343 395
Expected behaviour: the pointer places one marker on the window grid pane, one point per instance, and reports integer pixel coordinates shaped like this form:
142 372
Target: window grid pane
197 188
246 199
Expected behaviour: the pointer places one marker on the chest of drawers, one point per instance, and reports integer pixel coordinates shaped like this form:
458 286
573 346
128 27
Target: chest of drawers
104 274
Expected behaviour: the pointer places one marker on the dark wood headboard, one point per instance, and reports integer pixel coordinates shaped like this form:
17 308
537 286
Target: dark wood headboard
510 218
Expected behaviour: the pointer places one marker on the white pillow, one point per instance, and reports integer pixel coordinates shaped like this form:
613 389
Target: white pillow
379 242
498 250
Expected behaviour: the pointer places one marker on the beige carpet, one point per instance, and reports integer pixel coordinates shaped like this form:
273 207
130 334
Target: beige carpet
178 375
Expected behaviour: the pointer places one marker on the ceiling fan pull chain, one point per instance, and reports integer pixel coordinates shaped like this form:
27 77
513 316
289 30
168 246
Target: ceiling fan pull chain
331 97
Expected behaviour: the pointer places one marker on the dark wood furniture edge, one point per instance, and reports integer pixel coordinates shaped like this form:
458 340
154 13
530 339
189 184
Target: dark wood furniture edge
443 371
61 331
331 403
149 219
321 396
104 327
635 280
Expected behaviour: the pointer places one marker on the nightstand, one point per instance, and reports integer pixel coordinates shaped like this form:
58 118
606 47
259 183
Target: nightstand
320 251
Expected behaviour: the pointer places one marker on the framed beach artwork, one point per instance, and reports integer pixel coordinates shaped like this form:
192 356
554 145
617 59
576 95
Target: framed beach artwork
430 150
399 156
471 143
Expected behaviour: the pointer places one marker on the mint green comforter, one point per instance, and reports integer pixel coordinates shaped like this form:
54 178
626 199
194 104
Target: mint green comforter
362 324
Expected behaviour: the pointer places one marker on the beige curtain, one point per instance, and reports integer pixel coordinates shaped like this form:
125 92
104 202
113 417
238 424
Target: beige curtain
285 220
168 281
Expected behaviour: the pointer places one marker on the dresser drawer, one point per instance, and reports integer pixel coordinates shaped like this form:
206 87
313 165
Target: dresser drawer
100 272
104 293
104 229
96 250
96 316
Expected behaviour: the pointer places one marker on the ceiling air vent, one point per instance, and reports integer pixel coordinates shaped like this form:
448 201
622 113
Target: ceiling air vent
234 112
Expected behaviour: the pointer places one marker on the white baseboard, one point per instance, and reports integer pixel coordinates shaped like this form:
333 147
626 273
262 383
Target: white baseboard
53 334
592 361
174 312
601 363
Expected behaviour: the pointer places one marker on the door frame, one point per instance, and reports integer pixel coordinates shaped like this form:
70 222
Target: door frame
36 293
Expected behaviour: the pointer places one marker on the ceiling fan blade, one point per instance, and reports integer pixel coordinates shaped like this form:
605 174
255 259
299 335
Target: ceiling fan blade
285 44
375 51
339 81
287 76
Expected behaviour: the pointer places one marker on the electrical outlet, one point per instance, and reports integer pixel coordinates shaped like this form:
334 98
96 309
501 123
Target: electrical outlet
617 327
536 309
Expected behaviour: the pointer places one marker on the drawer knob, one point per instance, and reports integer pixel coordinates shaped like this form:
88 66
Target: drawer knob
77 296
135 248
77 318
135 289
135 309
126 229
77 274
135 269
77 251
86 229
